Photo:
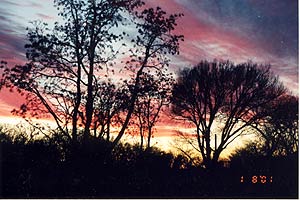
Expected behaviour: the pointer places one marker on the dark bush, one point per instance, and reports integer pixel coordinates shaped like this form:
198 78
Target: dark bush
43 168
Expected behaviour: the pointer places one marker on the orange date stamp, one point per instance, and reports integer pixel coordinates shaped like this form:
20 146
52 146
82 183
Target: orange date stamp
257 179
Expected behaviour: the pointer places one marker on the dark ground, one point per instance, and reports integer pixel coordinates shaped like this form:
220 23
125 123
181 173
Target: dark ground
43 169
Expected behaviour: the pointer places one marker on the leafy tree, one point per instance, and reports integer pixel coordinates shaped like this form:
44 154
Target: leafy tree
225 95
279 128
155 39
63 78
63 62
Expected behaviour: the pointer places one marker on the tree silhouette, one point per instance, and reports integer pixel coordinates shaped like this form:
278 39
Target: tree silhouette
279 127
63 62
67 65
225 95
155 39
110 102
154 94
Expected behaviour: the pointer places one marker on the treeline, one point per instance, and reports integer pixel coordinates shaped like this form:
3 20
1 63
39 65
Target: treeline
43 169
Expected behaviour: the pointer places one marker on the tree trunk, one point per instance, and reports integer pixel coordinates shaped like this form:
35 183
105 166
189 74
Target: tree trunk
89 104
76 107
122 131
133 97
142 138
89 108
78 88
149 136
207 142
131 104
216 156
108 128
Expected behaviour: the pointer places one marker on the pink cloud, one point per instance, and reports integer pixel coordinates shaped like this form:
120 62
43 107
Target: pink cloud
45 17
9 101
206 40
203 40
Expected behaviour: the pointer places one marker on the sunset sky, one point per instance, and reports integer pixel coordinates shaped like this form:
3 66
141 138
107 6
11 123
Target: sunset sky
264 31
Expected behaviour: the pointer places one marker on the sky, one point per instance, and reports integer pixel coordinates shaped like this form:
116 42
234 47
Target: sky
264 31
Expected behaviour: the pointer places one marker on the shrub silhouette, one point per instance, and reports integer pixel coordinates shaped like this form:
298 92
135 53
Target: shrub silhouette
42 168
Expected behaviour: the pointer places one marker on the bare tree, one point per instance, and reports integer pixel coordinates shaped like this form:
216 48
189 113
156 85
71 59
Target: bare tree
222 94
279 127
110 102
154 94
